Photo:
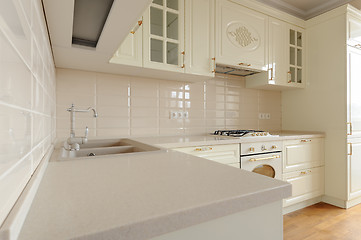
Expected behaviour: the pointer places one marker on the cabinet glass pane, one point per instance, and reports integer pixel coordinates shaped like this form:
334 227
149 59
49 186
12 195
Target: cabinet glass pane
299 39
173 4
156 21
292 37
156 50
159 2
299 75
172 53
292 56
293 74
172 25
299 57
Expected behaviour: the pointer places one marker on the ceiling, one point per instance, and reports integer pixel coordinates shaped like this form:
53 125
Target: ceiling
307 9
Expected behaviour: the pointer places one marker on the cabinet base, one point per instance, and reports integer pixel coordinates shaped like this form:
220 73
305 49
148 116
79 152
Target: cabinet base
301 205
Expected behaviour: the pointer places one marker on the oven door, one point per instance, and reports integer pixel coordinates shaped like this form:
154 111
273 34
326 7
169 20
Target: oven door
269 164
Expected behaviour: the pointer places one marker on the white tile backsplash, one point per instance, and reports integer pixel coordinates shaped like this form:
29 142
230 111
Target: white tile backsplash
27 97
140 106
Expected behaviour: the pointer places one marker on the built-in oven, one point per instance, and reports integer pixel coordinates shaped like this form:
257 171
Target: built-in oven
263 158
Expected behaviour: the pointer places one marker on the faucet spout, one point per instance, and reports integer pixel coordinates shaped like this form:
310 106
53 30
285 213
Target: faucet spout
73 142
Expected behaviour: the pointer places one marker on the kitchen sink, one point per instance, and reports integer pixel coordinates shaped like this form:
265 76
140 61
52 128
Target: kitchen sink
94 148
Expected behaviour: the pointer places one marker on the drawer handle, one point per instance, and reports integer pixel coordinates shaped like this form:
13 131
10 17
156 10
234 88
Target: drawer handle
265 158
203 149
305 172
306 140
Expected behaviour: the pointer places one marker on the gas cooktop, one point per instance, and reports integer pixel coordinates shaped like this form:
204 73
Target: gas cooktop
243 133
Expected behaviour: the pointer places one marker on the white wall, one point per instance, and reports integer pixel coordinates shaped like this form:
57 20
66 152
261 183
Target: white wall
134 106
27 96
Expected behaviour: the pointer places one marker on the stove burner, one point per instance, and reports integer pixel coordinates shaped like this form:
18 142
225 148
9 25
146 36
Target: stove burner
241 133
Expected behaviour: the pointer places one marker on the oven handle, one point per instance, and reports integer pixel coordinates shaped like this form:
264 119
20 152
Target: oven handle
265 158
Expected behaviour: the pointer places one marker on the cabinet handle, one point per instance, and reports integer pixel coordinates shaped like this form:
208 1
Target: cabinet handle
303 173
349 133
242 64
214 64
265 158
200 149
357 46
271 73
306 140
183 55
140 22
350 152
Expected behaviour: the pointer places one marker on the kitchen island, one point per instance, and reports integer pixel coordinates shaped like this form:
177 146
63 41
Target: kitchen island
161 194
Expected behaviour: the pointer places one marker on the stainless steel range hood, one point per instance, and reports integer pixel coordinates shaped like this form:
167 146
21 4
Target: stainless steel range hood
237 71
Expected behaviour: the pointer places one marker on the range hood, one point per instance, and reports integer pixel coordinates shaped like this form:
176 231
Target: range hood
237 71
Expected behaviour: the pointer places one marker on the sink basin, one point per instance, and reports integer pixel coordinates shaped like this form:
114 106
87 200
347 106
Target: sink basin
94 148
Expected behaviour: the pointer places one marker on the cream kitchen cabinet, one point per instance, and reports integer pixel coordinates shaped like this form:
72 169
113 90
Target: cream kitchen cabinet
225 154
354 172
130 51
353 89
241 36
303 167
286 61
306 184
302 154
354 30
296 54
163 35
199 37
175 35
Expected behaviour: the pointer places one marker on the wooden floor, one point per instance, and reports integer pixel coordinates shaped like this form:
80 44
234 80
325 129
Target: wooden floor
323 222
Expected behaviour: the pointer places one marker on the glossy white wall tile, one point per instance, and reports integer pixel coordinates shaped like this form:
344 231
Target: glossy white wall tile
134 106
27 96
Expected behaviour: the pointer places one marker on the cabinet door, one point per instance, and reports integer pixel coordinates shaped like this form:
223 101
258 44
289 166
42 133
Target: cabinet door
226 154
296 53
306 184
302 154
277 64
163 35
199 37
130 51
241 36
354 31
354 166
353 88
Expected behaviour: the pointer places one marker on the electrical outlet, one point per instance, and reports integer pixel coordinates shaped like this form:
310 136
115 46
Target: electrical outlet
268 115
185 115
261 116
173 115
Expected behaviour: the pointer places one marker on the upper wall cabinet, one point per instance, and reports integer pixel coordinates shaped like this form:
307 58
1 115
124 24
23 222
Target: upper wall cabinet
241 36
199 37
175 35
286 59
130 51
354 31
163 35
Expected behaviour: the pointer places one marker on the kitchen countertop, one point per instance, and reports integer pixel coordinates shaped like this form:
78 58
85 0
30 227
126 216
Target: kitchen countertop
141 195
200 140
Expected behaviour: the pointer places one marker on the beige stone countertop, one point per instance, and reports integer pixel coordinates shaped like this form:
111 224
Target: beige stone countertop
141 195
201 140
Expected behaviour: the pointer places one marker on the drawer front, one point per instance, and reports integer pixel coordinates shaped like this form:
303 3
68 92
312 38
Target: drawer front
302 154
306 184
226 154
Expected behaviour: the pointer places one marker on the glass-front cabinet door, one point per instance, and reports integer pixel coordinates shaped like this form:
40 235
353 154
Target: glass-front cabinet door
296 57
164 35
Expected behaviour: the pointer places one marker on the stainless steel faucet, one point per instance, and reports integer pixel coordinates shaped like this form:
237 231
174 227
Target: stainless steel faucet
73 142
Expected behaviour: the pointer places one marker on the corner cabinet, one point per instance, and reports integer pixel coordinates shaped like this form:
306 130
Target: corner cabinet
130 51
241 36
173 35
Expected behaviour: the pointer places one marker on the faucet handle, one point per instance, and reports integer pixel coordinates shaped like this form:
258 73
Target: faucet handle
86 131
